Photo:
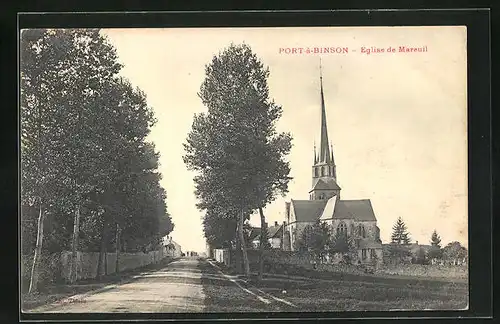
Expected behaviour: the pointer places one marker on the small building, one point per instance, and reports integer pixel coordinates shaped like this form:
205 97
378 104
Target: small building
171 247
274 236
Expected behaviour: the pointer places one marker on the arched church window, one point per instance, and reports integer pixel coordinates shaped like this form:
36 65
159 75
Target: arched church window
322 171
342 228
322 196
315 172
361 231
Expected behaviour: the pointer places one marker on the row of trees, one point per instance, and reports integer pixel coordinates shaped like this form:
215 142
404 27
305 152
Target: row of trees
235 149
319 240
89 177
400 240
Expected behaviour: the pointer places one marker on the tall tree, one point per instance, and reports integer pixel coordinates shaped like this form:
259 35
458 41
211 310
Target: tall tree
314 238
435 251
237 138
454 252
342 243
435 239
400 234
80 125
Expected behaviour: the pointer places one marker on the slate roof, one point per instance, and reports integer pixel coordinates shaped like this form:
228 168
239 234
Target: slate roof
325 184
360 210
271 232
308 210
255 232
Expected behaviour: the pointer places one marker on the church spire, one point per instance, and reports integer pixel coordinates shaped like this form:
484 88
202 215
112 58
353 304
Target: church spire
315 156
324 150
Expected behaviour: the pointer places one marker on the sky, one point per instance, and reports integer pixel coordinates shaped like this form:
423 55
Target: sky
397 120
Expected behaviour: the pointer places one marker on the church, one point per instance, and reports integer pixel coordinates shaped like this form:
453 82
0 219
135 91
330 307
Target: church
355 218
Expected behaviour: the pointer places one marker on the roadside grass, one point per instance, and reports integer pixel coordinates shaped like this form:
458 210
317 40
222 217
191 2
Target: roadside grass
225 296
373 295
55 292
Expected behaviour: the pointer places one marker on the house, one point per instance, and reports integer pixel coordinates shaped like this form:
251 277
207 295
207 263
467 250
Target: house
355 218
412 248
274 236
172 248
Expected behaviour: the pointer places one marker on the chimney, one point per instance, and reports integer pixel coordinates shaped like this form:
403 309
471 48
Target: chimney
275 223
416 242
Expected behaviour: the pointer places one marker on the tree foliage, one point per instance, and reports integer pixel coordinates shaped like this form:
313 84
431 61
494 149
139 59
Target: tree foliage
340 242
314 238
234 147
400 234
454 251
435 251
435 239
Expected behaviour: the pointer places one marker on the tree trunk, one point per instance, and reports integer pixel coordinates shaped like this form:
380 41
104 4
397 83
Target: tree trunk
76 229
38 253
237 251
246 265
100 263
263 238
118 232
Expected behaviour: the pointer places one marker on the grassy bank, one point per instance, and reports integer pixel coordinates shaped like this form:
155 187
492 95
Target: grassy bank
375 294
323 291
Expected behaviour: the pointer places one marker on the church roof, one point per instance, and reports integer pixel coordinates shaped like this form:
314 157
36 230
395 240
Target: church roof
360 210
325 184
308 210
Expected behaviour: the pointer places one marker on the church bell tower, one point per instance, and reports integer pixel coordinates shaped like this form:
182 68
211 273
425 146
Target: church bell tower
324 173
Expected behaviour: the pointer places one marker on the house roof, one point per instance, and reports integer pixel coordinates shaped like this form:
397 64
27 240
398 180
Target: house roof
272 231
254 233
360 210
308 210
325 184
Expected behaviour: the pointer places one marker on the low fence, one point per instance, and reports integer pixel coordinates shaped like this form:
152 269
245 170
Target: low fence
57 267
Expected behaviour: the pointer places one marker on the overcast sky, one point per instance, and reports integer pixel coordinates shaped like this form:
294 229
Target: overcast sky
397 121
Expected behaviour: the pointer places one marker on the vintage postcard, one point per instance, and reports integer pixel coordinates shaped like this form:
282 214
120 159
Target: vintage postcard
208 170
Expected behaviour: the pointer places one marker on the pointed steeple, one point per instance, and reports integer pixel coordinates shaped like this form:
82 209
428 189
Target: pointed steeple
324 150
315 156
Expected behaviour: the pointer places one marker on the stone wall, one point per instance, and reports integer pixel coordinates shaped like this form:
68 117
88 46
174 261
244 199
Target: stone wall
57 267
276 259
430 271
